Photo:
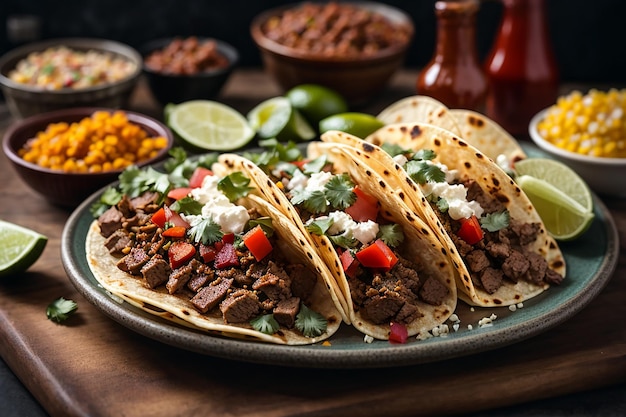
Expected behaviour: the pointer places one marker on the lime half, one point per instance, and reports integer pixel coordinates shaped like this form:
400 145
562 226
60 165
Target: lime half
561 197
277 118
209 125
19 248
354 123
316 102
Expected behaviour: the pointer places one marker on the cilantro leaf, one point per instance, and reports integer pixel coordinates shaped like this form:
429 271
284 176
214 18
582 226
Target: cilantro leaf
316 165
309 322
135 181
265 323
393 149
424 155
423 172
442 205
391 234
61 309
320 226
344 241
314 202
339 191
110 197
206 232
495 221
235 186
187 205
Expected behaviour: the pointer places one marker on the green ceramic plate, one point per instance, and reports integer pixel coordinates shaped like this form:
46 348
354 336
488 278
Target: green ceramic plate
591 261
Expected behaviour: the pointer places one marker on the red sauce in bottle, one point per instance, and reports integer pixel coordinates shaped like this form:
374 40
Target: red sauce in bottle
454 75
521 68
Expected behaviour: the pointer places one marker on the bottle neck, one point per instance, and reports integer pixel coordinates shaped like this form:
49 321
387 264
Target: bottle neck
456 31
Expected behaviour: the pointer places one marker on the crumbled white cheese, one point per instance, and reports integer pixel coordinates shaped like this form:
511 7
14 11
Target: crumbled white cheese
454 318
400 160
456 326
512 307
520 305
368 339
318 180
364 232
216 206
441 331
470 327
297 181
424 336
487 321
503 162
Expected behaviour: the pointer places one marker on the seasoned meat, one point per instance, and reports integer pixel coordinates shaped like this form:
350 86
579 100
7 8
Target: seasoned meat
286 310
135 259
498 249
117 242
477 260
237 274
200 280
303 281
144 200
110 221
403 275
274 287
491 279
240 306
433 291
178 278
553 277
515 266
210 296
156 271
408 313
537 267
382 308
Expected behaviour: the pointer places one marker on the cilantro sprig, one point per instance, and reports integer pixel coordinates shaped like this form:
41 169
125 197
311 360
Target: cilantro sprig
206 231
265 323
493 222
235 186
310 323
61 309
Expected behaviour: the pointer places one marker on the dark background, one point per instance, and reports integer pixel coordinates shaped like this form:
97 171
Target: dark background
588 36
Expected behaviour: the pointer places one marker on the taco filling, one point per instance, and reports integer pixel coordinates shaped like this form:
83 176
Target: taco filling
494 246
231 263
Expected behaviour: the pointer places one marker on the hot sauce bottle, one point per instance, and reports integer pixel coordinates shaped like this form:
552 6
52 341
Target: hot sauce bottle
521 68
454 75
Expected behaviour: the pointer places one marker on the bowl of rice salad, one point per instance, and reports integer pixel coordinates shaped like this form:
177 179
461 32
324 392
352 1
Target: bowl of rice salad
69 72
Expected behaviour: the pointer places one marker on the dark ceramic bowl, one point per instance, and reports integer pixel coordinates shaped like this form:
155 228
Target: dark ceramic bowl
62 188
358 79
169 88
24 100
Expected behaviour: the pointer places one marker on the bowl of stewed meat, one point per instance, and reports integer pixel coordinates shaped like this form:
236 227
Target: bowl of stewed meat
353 48
180 69
63 73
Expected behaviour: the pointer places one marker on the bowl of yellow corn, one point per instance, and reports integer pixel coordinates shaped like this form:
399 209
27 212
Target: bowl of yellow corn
66 155
587 131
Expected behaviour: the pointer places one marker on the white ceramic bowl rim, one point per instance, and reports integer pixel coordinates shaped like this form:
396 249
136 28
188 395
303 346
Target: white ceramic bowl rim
392 13
104 45
543 143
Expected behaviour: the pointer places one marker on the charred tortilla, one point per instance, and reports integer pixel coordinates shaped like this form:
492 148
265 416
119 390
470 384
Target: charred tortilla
473 165
177 307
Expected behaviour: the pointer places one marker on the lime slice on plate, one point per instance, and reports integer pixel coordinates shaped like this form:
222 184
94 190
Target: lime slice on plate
19 248
357 124
209 125
561 197
316 102
277 118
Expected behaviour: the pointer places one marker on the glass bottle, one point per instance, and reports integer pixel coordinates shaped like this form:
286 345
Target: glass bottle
454 75
521 68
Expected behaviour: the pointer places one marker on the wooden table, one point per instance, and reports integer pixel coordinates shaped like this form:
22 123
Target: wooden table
94 366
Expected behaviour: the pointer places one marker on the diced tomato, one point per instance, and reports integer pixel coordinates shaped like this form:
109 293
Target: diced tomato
364 208
175 231
398 333
377 255
301 163
176 220
226 257
178 193
228 238
198 176
159 217
180 253
257 243
470 230
208 253
350 263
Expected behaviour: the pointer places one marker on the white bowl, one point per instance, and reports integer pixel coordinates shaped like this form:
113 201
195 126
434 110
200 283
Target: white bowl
605 176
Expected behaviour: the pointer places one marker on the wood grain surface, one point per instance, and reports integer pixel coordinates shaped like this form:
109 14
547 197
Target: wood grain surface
93 366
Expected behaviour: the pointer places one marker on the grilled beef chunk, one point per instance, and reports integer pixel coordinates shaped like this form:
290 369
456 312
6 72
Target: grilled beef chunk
515 266
491 279
198 281
110 221
382 306
237 274
156 271
178 278
135 259
209 296
303 286
240 306
433 291
273 286
144 201
117 242
537 266
477 260
286 310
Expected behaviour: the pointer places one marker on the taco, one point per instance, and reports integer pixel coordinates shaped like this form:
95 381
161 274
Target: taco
391 267
493 235
420 109
206 254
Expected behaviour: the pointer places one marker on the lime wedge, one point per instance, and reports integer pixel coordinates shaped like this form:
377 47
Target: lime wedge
316 102
19 248
277 118
209 125
561 197
357 124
